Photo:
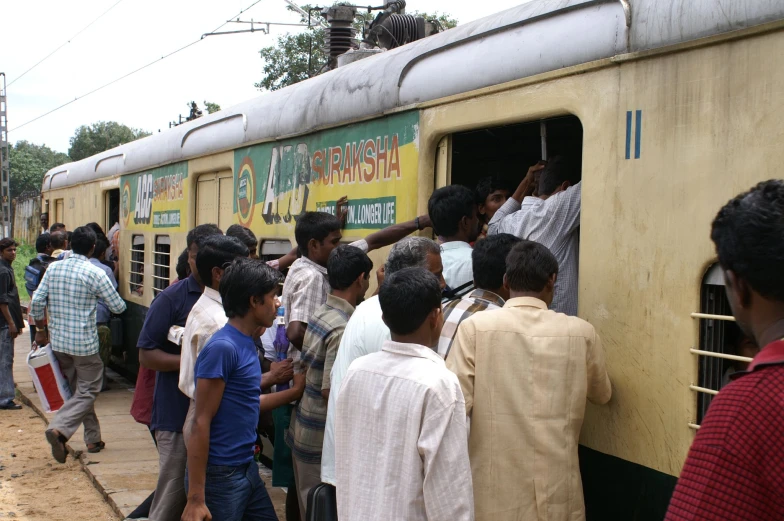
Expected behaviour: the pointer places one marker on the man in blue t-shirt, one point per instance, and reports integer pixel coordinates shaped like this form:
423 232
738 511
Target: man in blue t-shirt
169 407
223 480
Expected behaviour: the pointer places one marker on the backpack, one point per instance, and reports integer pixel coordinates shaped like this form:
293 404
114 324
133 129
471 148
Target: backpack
34 272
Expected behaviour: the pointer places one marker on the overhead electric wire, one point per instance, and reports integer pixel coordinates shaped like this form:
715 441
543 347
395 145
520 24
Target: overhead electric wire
132 72
64 44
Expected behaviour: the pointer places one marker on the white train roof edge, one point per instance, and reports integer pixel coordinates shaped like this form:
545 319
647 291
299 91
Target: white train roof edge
536 37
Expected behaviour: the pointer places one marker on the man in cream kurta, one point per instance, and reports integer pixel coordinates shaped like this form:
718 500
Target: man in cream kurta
526 372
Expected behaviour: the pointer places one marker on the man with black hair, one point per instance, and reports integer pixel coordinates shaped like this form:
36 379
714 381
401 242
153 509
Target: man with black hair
102 315
39 263
246 236
348 269
489 266
401 435
561 362
59 242
170 406
11 323
57 227
366 331
69 292
735 465
552 218
453 211
183 267
491 193
223 480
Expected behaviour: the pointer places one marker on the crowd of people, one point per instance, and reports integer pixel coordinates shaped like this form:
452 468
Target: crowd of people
456 392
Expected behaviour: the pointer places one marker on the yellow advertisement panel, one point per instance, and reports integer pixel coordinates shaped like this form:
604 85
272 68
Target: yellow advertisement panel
156 199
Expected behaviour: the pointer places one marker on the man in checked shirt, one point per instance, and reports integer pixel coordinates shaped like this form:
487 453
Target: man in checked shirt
545 208
70 291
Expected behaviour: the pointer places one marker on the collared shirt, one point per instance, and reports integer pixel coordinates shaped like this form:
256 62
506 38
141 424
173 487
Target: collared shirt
365 333
553 222
305 435
735 467
206 318
460 309
170 308
305 290
102 314
526 373
70 291
9 295
458 267
401 439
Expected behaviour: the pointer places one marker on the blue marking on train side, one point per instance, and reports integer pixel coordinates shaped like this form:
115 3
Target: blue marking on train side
628 134
637 134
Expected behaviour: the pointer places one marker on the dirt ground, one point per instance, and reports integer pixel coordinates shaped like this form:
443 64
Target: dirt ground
33 486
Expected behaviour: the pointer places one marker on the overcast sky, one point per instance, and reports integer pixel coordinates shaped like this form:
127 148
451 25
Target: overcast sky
220 69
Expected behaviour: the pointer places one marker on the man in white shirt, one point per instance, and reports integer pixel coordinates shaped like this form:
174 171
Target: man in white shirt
366 332
453 211
551 218
401 435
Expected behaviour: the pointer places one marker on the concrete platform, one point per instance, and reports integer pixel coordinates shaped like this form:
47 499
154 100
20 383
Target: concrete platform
126 471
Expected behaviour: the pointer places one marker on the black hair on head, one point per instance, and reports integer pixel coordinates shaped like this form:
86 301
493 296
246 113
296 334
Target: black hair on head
82 240
529 266
217 251
749 236
183 269
448 205
7 243
407 297
345 264
488 185
557 170
245 235
314 225
57 240
489 260
243 279
42 243
200 232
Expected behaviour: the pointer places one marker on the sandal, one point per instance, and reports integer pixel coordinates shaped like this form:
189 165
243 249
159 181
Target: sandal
57 441
97 447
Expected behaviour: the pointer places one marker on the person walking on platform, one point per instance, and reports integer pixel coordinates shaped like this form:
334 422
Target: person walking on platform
70 291
11 323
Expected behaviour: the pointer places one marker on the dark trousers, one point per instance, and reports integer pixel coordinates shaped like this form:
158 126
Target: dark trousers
237 494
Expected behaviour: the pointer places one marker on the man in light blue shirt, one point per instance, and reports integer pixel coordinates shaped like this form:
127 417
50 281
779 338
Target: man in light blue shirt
453 211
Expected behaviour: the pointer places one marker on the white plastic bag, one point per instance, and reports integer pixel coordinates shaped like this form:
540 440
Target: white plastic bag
50 384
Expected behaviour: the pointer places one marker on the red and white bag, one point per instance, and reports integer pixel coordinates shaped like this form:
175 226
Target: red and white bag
50 384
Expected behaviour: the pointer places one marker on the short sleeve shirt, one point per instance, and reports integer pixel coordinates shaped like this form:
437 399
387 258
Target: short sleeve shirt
170 308
231 356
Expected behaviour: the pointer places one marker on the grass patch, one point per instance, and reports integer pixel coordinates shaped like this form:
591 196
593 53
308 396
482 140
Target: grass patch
24 252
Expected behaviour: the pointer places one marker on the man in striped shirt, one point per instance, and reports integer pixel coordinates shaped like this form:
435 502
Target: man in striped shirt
70 291
489 265
348 269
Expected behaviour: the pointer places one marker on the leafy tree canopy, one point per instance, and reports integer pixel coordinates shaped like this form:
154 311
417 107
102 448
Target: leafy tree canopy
211 107
100 136
297 57
29 163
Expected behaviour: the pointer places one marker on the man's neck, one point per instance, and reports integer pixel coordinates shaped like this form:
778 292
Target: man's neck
420 337
500 292
456 238
530 294
245 325
347 295
769 330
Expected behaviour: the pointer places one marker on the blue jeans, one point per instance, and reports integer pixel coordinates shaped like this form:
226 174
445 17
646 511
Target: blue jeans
7 391
237 494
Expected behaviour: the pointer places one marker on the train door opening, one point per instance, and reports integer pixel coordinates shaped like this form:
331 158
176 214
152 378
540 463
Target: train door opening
112 206
215 199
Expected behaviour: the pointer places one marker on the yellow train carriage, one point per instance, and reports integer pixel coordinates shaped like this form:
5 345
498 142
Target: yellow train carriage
669 114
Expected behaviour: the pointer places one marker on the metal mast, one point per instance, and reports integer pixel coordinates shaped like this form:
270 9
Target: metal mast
5 172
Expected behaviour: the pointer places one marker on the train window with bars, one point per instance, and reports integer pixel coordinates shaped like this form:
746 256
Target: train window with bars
136 272
161 264
723 349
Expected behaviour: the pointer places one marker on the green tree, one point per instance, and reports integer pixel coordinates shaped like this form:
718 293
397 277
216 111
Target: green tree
211 107
297 57
29 162
101 136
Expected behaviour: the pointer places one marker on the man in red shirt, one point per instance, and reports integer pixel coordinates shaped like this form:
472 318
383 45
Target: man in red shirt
735 467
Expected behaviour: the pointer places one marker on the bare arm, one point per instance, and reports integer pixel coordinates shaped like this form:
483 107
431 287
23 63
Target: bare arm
279 372
159 360
295 332
287 260
392 234
13 332
209 393
267 402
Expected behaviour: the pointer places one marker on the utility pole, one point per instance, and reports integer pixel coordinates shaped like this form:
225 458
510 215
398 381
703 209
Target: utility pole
5 171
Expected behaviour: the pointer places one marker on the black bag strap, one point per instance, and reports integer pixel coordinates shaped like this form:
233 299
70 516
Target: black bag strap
451 294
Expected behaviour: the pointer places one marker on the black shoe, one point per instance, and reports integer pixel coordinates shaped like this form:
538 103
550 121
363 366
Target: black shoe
10 406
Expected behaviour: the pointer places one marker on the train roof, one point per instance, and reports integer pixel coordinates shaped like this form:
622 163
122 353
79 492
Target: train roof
536 37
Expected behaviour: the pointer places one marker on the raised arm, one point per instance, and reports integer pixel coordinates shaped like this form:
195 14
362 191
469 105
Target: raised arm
392 234
512 205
